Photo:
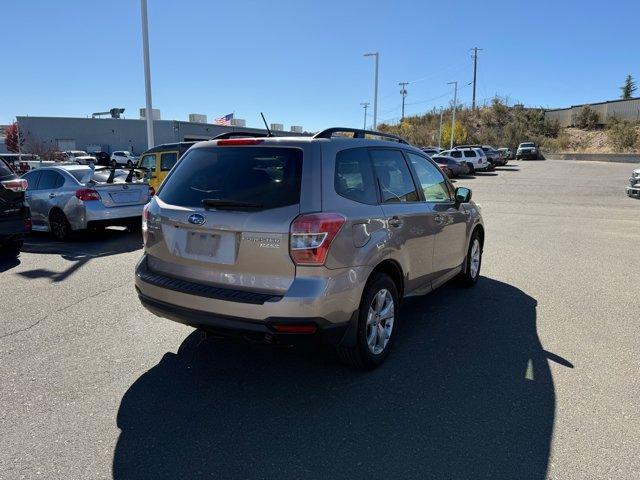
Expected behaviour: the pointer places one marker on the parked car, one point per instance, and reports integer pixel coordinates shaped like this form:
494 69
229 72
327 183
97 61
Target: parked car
633 190
281 238
79 156
159 160
528 150
102 158
456 166
493 156
18 162
68 198
506 153
473 156
123 157
431 151
15 220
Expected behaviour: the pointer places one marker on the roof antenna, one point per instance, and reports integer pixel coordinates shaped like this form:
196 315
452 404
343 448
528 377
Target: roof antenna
269 134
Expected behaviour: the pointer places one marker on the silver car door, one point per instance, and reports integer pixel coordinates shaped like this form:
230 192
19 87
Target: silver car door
449 219
33 199
406 215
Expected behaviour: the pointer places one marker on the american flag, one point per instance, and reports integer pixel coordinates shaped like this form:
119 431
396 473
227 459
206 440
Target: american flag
226 120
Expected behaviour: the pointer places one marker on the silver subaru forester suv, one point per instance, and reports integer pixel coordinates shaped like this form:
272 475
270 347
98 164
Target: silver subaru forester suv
280 238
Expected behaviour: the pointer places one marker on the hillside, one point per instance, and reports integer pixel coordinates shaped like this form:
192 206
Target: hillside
502 125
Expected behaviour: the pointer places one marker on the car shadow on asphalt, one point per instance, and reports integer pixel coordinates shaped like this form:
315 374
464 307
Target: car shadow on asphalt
507 168
466 393
79 251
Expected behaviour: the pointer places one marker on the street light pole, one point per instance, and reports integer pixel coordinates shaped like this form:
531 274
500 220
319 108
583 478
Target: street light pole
375 88
453 117
440 134
365 105
147 73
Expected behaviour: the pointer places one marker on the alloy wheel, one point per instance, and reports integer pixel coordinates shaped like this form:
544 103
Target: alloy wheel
380 321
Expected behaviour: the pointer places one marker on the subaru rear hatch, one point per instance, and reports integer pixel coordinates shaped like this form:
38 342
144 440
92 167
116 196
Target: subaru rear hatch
223 216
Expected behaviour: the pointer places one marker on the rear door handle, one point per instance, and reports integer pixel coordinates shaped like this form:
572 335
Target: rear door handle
51 195
395 222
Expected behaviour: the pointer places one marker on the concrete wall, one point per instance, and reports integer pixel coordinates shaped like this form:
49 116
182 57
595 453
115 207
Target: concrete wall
620 109
116 134
595 157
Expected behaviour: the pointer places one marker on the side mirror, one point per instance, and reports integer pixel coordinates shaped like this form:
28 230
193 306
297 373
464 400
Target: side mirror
463 195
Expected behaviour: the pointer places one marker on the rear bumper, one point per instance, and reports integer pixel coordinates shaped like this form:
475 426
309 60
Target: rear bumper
15 228
326 301
633 191
227 326
97 214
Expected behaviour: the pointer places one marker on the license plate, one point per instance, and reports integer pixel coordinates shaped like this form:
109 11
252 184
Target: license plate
125 197
202 244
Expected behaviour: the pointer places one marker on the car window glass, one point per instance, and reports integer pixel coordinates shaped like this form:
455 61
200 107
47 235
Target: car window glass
431 179
149 161
354 177
456 154
469 153
168 160
394 177
48 180
266 177
59 181
32 180
5 170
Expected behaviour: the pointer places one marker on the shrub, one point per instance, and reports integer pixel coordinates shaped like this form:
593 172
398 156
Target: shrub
587 118
622 135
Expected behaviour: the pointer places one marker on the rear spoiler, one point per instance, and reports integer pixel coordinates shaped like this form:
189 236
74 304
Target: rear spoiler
132 171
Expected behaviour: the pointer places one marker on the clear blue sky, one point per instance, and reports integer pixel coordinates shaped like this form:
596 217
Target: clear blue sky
301 61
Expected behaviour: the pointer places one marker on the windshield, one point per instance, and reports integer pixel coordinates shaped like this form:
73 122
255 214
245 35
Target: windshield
527 145
269 177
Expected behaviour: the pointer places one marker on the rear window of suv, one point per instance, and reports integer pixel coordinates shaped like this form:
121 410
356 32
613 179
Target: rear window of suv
269 177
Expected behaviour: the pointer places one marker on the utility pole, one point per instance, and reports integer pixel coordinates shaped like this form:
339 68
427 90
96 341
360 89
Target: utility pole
365 105
453 117
375 92
147 73
440 133
403 92
19 146
475 70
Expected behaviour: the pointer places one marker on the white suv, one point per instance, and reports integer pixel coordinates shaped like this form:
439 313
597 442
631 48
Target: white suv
123 157
473 156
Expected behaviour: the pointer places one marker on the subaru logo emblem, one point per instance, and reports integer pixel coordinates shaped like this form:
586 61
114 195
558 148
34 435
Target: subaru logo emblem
197 219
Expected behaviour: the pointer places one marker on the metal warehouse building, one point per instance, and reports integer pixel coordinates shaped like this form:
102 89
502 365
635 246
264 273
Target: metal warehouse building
620 109
109 134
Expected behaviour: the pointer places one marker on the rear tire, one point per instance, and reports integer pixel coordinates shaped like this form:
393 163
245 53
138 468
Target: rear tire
377 325
114 164
473 261
59 225
129 164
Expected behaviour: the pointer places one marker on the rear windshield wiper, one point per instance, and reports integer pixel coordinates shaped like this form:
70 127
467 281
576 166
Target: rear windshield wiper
229 204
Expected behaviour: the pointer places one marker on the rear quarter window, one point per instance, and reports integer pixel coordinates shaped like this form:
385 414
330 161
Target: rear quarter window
354 176
267 176
470 154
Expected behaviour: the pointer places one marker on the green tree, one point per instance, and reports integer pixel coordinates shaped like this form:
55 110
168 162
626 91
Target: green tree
628 88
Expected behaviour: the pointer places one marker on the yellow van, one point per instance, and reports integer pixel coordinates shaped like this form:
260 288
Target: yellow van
157 161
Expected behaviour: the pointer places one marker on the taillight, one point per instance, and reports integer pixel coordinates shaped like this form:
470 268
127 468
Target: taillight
239 141
145 227
17 185
27 224
152 191
87 194
311 235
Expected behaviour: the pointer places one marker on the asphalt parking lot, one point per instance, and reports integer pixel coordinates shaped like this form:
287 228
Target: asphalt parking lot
532 374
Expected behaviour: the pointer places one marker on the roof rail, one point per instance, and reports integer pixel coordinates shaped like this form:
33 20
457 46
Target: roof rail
226 135
358 133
